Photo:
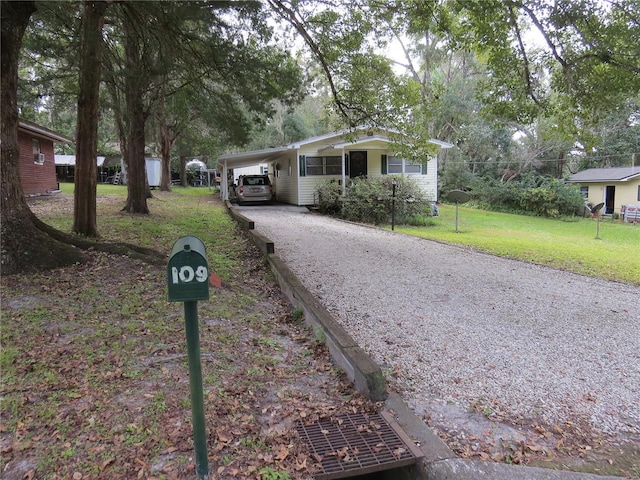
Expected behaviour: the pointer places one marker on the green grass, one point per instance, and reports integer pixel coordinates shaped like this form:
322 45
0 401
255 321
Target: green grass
567 244
102 189
161 227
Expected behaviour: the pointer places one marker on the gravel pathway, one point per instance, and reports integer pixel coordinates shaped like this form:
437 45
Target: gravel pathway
458 327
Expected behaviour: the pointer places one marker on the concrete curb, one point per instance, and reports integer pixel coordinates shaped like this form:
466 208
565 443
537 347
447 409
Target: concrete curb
458 469
358 366
439 461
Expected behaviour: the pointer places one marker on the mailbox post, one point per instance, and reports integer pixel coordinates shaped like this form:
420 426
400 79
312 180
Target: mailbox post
188 282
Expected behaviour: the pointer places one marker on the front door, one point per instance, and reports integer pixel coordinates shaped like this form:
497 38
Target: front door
609 199
358 164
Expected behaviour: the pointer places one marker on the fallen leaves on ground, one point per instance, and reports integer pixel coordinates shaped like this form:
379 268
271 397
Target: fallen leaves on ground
95 376
570 444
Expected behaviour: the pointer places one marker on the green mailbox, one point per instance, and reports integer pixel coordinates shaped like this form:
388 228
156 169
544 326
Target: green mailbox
187 271
188 280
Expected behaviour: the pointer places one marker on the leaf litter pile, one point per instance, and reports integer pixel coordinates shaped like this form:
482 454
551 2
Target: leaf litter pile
95 372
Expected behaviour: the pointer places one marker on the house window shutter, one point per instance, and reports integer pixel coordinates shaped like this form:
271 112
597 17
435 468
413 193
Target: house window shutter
383 162
425 167
347 164
303 166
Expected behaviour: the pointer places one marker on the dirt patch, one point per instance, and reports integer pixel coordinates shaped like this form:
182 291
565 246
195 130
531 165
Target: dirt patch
59 204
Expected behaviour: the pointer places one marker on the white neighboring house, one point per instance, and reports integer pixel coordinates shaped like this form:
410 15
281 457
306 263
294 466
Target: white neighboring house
297 169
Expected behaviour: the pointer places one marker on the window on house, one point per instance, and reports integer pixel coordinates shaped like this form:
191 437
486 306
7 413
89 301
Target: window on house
638 192
584 191
400 165
38 157
323 165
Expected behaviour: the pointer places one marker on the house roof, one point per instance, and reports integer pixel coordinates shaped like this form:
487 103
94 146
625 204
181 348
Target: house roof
43 132
242 159
245 159
612 174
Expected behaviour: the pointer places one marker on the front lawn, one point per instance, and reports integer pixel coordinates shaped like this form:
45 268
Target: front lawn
567 244
93 361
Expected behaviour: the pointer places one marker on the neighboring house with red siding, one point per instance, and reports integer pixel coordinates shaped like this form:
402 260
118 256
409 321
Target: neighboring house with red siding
37 164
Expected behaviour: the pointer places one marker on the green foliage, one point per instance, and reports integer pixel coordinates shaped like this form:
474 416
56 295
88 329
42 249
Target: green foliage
370 200
298 315
455 174
367 201
421 220
541 196
193 57
329 195
268 473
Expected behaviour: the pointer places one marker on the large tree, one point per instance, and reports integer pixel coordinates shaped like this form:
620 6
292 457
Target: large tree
84 218
556 73
166 55
26 243
544 55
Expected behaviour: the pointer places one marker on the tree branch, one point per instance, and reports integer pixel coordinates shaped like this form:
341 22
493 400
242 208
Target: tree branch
290 16
550 44
525 59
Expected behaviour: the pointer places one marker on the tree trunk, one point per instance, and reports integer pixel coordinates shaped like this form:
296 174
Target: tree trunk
25 248
166 143
183 171
165 149
84 207
560 165
136 168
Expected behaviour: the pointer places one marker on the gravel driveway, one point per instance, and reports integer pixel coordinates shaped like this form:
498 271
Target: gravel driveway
458 328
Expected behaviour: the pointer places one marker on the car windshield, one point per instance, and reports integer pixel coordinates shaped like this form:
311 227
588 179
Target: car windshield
255 181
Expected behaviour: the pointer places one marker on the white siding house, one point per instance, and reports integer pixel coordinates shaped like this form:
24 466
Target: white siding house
296 170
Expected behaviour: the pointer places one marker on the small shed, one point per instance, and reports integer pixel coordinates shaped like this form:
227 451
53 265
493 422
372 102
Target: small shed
153 168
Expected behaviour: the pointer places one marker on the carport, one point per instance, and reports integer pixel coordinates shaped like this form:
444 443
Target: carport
244 159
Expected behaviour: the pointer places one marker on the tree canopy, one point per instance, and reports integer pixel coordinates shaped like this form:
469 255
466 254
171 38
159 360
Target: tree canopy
518 86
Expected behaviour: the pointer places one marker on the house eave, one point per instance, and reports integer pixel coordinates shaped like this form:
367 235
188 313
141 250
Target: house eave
605 180
42 132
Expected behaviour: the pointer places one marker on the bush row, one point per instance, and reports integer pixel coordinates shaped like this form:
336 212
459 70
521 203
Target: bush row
371 200
542 196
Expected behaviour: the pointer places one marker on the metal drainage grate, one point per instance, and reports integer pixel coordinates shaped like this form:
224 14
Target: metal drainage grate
357 444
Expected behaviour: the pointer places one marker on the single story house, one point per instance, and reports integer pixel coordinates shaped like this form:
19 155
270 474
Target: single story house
616 187
37 165
298 168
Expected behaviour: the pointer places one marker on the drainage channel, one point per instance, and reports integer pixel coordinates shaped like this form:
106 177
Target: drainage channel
358 444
